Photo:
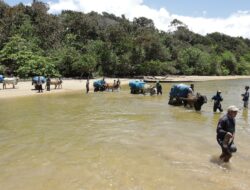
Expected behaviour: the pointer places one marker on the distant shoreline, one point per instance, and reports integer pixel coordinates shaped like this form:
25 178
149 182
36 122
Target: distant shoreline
26 89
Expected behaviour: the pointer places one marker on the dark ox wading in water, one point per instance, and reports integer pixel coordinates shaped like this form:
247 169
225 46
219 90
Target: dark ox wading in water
180 95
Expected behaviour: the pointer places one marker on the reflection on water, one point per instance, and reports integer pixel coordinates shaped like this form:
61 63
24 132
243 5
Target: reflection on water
120 141
245 115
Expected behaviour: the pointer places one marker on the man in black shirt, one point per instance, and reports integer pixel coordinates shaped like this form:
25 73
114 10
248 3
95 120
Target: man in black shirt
158 88
226 132
217 101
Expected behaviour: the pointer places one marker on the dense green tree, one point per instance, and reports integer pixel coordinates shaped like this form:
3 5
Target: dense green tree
229 63
23 58
194 61
75 44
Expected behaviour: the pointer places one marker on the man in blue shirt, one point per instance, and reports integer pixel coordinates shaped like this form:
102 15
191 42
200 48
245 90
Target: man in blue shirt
226 133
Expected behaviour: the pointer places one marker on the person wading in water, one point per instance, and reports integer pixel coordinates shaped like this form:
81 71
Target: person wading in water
245 97
217 99
226 133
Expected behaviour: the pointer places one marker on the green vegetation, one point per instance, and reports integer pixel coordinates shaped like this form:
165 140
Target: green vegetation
74 44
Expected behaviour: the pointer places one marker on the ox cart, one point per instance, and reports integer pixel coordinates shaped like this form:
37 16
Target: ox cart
99 85
182 94
1 78
140 87
38 81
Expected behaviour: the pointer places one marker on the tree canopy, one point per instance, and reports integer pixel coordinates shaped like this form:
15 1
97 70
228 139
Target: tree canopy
75 44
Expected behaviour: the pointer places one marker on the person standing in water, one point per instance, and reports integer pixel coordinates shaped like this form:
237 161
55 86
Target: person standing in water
158 88
217 101
226 133
245 97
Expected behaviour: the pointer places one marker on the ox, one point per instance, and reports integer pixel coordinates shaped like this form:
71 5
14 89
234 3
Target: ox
56 82
149 89
112 86
12 80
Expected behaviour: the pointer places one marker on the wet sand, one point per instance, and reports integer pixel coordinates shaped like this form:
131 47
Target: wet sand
69 85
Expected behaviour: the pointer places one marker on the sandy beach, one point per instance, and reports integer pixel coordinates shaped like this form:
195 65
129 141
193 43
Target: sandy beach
69 85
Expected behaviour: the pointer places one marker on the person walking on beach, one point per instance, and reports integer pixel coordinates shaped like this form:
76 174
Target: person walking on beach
217 101
245 97
158 88
87 86
48 83
226 133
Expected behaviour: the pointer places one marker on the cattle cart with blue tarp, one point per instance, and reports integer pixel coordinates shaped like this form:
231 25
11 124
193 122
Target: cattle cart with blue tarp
178 92
136 86
182 94
38 81
99 85
1 78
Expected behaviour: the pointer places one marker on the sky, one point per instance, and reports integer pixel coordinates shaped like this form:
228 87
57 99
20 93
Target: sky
231 17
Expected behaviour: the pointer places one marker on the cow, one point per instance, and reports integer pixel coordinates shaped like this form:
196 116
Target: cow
56 82
9 81
112 86
149 89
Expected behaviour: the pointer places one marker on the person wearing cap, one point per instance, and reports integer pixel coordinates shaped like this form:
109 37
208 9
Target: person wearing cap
217 101
245 97
158 88
226 133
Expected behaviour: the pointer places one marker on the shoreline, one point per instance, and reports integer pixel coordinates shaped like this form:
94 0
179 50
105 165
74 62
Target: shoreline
25 88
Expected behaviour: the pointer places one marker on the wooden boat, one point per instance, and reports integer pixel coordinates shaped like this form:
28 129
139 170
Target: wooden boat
151 79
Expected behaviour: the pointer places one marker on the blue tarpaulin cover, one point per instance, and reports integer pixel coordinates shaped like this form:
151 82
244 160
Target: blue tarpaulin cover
98 83
136 84
1 78
42 78
179 90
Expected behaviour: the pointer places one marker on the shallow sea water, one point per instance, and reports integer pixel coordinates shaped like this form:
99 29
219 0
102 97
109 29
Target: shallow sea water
98 141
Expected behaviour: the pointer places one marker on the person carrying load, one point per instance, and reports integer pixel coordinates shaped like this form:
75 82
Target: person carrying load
226 132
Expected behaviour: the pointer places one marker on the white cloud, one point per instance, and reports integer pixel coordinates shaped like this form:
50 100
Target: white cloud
235 25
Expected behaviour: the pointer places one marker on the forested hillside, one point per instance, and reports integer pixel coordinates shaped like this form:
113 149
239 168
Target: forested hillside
75 44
